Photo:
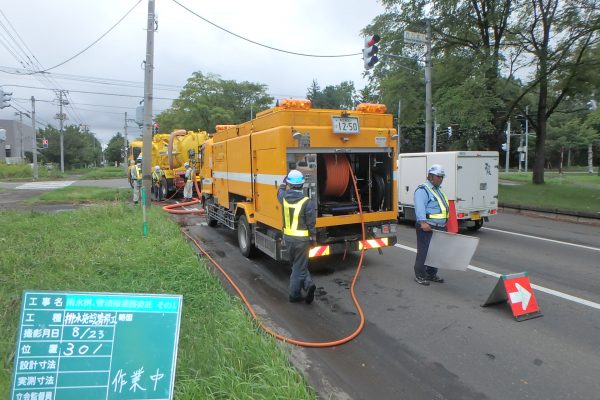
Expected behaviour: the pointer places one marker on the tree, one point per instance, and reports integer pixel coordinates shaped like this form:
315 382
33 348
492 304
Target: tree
208 100
114 150
554 37
80 147
342 96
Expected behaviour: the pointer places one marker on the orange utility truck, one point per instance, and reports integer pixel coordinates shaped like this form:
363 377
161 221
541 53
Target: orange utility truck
242 166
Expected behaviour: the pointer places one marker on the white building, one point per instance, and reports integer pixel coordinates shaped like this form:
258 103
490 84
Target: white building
18 141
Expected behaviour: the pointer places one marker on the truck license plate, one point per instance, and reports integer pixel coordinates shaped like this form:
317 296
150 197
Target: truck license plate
347 125
475 216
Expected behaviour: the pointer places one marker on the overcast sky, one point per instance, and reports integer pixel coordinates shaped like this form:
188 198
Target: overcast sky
54 31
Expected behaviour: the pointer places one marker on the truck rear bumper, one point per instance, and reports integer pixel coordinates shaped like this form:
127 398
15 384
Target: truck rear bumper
345 247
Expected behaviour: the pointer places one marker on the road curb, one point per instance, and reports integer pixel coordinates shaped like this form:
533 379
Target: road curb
577 217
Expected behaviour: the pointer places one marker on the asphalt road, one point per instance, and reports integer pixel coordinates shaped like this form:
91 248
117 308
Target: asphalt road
437 342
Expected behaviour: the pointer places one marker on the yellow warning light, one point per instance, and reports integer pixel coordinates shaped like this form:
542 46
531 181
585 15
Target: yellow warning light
372 108
220 128
295 104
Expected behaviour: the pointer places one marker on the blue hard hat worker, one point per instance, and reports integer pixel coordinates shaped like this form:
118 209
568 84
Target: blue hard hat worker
299 232
295 178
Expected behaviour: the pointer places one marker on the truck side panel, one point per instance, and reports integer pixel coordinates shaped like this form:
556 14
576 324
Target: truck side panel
238 166
482 193
220 186
411 173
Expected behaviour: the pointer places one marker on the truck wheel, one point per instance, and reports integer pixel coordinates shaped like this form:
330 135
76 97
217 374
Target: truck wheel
477 226
245 238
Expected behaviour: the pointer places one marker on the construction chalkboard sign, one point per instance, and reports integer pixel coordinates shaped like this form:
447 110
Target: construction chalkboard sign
76 345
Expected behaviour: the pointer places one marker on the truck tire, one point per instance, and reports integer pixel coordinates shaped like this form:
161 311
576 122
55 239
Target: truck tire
245 238
477 226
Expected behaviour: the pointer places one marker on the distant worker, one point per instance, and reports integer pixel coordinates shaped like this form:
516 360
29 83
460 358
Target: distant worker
131 165
188 179
136 178
431 208
299 218
157 176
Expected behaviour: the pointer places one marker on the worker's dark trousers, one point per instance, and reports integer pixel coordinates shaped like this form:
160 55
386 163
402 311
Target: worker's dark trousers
423 239
300 277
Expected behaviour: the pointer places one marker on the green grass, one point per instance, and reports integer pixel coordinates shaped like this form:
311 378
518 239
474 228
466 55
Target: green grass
575 192
104 173
18 172
81 194
222 354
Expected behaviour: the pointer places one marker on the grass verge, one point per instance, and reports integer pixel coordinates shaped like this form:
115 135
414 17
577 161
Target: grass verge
19 172
81 194
573 192
104 173
222 354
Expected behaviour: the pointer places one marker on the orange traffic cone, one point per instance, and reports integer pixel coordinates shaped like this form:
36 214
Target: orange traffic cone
452 225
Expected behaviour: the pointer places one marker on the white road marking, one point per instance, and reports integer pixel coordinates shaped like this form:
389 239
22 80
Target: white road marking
45 185
541 238
552 292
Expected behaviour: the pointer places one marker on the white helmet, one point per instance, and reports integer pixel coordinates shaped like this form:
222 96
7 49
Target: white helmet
187 164
295 177
436 169
156 168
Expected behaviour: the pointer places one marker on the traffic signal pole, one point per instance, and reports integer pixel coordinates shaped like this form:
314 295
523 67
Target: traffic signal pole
34 147
148 85
428 90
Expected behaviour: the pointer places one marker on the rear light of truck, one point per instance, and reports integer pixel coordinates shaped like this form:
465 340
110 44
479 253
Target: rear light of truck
493 212
460 215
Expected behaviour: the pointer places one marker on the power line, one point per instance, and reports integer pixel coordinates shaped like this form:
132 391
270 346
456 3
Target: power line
88 47
89 92
261 44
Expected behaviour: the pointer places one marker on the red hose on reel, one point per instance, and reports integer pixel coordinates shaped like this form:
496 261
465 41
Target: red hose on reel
338 174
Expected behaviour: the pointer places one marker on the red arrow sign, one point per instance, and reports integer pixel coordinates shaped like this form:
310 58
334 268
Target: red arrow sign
520 296
516 290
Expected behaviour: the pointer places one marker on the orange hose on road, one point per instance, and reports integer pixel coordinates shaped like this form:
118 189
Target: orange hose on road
352 292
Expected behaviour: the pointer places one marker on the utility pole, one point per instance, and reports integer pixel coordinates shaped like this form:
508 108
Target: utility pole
435 126
526 136
61 117
34 148
21 152
428 89
398 129
126 147
507 146
148 97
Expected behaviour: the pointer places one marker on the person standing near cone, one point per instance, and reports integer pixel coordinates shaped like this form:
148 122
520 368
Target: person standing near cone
431 209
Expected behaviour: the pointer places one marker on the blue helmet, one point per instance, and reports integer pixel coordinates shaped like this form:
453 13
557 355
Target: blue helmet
295 177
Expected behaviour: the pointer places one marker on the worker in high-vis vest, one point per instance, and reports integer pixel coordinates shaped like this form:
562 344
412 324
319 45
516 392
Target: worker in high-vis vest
431 209
299 218
136 178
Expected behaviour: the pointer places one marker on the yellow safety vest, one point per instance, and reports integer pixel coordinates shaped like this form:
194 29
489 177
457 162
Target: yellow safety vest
138 173
291 229
157 175
444 210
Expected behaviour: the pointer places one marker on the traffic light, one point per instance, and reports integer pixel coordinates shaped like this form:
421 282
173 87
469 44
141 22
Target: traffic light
370 51
155 128
5 98
449 131
503 146
45 143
